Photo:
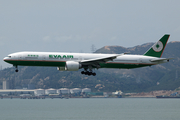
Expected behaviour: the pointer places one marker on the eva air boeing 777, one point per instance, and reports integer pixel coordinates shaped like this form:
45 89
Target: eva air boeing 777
89 61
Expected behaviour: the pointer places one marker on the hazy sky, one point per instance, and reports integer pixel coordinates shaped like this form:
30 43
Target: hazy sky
74 25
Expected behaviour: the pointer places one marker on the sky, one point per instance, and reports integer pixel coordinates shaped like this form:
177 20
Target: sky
76 25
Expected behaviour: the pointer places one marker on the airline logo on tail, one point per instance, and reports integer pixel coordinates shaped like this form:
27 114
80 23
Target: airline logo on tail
158 46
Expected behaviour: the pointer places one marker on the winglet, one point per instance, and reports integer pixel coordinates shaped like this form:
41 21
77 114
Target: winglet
157 49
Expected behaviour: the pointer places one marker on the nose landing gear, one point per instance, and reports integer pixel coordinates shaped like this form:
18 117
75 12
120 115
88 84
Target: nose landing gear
16 68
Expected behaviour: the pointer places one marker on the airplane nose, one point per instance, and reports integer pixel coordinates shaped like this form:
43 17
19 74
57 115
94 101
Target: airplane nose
5 59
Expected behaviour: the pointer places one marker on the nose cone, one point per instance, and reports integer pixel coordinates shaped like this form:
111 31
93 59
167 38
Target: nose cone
5 59
8 60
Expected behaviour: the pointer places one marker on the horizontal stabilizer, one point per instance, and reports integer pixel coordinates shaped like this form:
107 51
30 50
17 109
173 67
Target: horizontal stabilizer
160 59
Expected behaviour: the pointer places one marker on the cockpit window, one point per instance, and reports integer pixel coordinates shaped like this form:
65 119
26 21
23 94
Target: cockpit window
9 56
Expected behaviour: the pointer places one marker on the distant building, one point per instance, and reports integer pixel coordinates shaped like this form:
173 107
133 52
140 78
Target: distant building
16 91
5 85
63 91
86 90
75 90
39 92
50 91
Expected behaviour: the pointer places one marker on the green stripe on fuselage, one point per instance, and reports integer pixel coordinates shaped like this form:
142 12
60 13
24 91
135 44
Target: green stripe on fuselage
38 63
63 63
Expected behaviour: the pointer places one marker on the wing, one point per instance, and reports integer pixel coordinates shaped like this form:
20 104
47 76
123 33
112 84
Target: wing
95 62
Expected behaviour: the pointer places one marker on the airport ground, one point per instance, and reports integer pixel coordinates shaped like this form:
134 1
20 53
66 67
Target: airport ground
151 94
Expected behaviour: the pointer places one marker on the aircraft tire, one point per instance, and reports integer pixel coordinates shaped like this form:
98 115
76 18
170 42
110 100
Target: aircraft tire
94 74
90 73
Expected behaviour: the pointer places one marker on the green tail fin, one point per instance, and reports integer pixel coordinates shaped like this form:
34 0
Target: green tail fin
157 49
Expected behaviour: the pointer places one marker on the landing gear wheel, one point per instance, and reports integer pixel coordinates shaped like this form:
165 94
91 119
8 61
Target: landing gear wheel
16 68
86 73
94 74
90 73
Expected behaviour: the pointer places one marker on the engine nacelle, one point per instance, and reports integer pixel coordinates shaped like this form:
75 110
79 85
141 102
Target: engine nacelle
70 66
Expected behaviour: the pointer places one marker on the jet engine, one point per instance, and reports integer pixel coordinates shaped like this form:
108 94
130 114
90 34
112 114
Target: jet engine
70 66
61 68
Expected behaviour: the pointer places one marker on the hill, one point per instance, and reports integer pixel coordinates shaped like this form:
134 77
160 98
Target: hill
160 77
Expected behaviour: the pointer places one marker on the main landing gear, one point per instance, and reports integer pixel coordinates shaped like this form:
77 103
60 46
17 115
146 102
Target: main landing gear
88 73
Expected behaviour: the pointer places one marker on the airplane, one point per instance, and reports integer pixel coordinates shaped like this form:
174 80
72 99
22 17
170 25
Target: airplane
90 61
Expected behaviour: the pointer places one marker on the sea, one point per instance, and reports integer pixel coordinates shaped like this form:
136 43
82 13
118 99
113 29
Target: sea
90 109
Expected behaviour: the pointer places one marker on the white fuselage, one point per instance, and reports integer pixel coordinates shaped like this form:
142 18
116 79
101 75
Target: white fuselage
59 59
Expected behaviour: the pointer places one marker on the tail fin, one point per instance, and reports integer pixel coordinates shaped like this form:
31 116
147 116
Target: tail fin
157 49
